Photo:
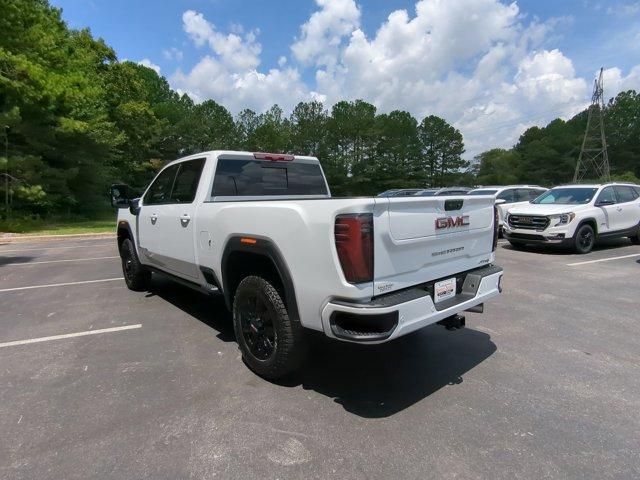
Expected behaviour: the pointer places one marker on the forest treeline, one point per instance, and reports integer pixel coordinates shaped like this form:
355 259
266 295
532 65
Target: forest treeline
74 119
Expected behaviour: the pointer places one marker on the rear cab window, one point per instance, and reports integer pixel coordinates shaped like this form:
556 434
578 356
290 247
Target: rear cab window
247 177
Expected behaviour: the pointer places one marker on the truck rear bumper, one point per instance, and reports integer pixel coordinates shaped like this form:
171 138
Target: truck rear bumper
386 317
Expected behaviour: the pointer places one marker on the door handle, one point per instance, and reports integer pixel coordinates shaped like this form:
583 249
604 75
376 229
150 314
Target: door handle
619 209
184 219
153 218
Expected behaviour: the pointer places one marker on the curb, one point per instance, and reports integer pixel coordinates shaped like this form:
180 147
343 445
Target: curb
19 238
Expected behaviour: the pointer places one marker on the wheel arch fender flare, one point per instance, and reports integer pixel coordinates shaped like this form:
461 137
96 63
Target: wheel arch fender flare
266 248
591 222
124 231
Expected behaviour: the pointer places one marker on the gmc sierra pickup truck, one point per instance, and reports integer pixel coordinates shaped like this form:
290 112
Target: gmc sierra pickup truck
263 230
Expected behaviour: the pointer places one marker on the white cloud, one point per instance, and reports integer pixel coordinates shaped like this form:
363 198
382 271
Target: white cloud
322 35
615 81
229 73
173 53
149 64
480 64
624 9
234 51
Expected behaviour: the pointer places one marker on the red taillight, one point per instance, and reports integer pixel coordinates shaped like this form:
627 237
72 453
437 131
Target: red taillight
273 157
354 242
496 228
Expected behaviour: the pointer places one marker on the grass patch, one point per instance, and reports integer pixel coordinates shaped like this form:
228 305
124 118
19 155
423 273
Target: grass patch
58 226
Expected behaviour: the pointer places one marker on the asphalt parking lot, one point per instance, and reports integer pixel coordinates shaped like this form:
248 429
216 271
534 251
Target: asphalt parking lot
544 384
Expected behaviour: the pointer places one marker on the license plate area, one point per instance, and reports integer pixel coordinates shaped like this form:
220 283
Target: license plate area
444 290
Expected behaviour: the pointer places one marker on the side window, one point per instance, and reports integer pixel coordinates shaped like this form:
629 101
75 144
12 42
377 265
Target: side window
160 190
186 184
535 193
522 195
626 194
509 196
607 196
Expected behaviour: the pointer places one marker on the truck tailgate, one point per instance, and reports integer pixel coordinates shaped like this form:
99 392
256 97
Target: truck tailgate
419 239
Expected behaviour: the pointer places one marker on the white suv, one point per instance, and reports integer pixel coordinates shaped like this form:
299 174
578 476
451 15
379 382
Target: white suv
576 216
508 196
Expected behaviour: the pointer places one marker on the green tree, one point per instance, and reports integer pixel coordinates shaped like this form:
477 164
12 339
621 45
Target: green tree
497 167
396 163
441 148
351 140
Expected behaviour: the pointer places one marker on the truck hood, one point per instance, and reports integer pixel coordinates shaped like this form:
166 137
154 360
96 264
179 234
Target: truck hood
536 209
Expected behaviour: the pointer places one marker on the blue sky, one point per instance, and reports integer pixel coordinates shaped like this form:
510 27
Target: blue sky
492 68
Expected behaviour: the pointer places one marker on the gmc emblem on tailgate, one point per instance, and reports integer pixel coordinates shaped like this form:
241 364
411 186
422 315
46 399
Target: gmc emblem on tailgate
452 222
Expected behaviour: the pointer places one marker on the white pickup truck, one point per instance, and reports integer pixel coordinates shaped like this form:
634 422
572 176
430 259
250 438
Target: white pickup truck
263 230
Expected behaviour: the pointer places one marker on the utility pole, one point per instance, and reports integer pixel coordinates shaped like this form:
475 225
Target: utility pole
593 154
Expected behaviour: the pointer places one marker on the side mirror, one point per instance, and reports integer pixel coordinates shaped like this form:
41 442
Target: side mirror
119 194
500 201
602 203
134 206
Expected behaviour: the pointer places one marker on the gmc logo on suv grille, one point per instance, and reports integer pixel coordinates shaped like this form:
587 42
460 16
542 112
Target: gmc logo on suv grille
452 222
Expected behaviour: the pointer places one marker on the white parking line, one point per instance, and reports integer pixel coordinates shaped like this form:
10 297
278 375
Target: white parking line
57 261
57 248
602 260
60 284
69 335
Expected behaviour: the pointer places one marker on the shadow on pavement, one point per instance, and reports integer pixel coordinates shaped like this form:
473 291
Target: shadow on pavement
371 381
9 260
210 310
376 381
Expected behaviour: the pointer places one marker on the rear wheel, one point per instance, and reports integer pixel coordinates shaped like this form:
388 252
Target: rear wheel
271 344
135 275
636 238
584 239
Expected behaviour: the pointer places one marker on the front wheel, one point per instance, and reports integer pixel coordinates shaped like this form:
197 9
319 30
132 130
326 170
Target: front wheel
636 238
584 239
517 245
135 275
271 344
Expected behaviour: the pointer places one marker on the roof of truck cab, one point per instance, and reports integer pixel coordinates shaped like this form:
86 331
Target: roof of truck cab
218 153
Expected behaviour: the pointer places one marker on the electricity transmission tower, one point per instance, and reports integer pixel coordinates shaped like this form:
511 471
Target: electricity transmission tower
593 154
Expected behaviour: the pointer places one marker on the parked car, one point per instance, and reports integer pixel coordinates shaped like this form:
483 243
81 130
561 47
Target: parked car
263 230
399 192
508 196
439 192
577 216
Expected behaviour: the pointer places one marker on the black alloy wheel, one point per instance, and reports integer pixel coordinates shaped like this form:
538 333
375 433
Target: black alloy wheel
585 239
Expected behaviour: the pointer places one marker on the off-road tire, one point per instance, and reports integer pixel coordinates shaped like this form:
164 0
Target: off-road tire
584 239
256 297
136 276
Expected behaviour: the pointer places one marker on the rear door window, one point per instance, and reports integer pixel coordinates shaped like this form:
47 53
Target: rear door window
262 178
608 195
509 196
535 193
626 194
186 183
